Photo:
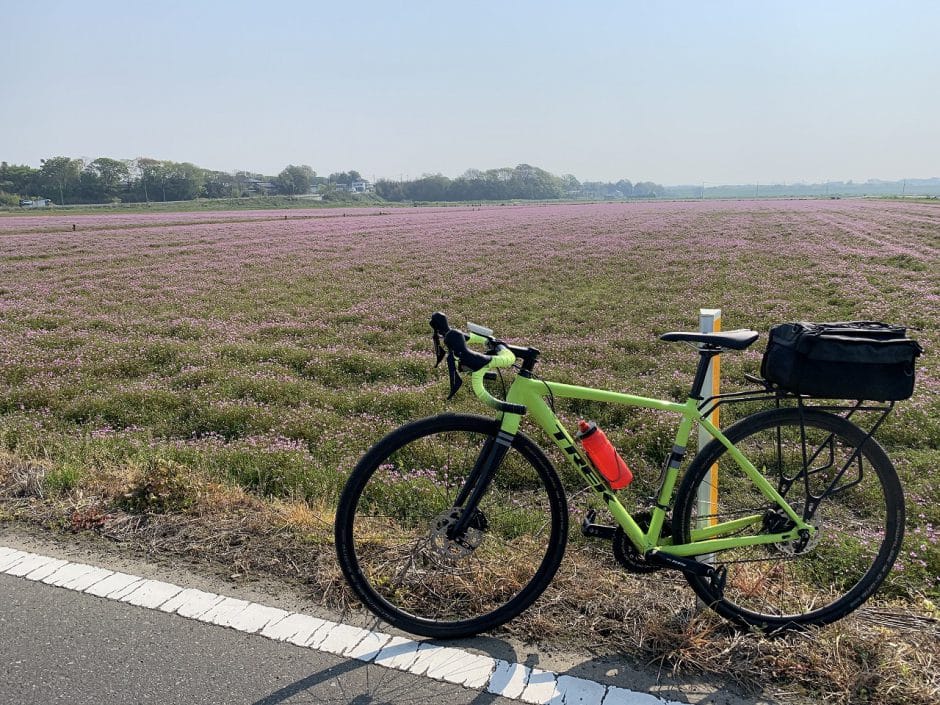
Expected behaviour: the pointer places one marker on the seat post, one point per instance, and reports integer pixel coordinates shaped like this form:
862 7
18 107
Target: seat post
706 353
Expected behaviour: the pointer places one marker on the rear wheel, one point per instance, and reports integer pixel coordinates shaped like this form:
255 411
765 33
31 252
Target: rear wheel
859 519
393 518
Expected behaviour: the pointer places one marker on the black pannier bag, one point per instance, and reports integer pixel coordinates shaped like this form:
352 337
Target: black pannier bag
845 360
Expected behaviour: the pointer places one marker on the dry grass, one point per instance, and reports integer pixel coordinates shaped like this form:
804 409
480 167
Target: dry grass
883 654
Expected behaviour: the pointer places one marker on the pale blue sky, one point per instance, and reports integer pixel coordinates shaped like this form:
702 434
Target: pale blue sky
673 92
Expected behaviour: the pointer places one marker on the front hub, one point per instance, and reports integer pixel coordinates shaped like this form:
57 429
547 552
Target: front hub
459 547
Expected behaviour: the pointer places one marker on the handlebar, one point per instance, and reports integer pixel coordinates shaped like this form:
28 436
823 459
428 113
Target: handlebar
478 363
456 341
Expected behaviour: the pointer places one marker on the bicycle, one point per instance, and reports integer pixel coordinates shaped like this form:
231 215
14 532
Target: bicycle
454 524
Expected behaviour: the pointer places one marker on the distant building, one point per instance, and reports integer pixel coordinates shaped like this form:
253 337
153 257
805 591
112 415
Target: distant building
361 186
36 203
258 187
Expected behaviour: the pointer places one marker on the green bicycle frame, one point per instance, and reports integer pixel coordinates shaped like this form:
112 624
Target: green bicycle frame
530 394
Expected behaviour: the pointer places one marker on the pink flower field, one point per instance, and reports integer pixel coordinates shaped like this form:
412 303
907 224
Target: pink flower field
271 348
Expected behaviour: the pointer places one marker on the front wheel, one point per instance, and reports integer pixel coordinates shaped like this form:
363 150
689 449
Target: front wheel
859 519
392 522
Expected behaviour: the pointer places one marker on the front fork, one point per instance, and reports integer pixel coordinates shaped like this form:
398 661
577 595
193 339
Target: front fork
478 482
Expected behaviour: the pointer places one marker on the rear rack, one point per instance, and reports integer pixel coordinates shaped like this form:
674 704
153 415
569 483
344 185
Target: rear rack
781 398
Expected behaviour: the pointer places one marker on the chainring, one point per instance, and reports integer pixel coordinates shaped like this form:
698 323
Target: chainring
625 552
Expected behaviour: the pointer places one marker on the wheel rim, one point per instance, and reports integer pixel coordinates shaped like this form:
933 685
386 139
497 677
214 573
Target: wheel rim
826 572
399 531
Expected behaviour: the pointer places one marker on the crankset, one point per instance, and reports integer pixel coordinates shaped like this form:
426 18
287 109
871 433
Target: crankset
625 552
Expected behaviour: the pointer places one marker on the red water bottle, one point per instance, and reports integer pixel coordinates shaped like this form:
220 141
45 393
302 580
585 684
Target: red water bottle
603 454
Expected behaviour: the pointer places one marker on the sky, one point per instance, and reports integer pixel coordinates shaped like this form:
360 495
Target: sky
671 92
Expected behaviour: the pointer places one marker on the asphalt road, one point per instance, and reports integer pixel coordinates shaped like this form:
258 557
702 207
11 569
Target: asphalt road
60 646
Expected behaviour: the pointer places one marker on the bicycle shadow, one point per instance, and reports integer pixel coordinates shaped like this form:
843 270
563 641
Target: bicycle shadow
364 683
367 683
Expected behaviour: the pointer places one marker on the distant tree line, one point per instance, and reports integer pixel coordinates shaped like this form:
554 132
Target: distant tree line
831 189
621 189
66 180
523 182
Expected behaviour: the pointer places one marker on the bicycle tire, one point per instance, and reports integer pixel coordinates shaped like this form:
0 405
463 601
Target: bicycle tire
393 550
861 523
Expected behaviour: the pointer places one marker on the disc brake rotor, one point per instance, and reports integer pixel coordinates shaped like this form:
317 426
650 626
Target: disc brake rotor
775 521
459 547
801 545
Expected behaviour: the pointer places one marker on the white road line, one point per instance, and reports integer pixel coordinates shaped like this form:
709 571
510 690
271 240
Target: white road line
509 679
47 569
11 558
191 603
151 594
113 582
256 617
444 663
398 654
28 565
541 688
292 625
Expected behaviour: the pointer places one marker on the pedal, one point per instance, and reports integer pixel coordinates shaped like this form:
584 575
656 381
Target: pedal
597 531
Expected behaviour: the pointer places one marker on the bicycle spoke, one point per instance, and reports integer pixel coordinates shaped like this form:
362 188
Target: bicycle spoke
402 532
857 517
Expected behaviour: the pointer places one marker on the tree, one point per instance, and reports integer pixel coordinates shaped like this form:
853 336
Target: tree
220 184
90 189
390 190
530 182
183 181
243 182
173 181
431 187
647 189
345 177
103 179
295 179
112 173
570 184
60 175
18 179
152 177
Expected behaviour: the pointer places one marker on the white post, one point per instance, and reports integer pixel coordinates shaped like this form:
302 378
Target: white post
709 322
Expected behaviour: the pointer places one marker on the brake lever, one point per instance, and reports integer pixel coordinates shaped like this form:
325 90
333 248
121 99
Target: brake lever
452 374
455 381
438 349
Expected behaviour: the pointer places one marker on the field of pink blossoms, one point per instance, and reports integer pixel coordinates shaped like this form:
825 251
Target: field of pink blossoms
269 349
